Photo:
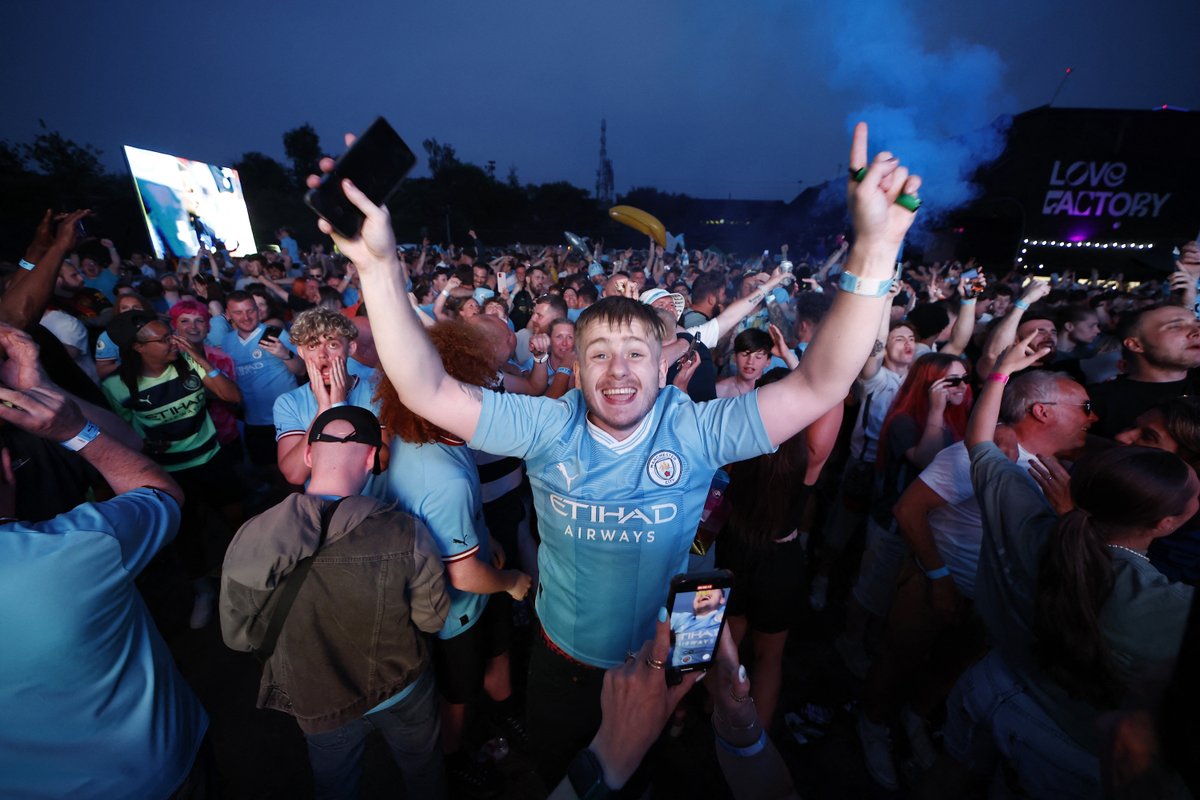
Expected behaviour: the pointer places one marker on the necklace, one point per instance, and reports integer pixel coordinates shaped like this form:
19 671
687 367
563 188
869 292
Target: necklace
1130 550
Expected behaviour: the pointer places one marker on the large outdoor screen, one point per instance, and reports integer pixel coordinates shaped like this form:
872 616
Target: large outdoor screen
189 203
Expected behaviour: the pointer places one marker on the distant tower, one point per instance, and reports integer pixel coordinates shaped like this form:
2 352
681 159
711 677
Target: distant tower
604 175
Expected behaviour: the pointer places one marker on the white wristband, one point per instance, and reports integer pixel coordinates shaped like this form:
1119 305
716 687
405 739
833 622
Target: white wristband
866 287
82 439
542 359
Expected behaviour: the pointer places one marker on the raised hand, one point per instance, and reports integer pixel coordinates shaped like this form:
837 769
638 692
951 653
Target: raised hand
375 242
1021 355
878 220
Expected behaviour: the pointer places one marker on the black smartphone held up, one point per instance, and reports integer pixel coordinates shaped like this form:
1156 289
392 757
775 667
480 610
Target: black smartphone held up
376 163
697 607
272 332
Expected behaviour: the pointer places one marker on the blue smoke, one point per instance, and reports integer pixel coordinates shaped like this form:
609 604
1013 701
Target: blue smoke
932 104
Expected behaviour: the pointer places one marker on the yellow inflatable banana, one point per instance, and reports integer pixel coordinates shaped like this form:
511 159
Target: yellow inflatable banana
640 221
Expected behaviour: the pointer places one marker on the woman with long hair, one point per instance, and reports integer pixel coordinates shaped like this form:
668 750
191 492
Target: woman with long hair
928 413
1075 610
161 388
761 545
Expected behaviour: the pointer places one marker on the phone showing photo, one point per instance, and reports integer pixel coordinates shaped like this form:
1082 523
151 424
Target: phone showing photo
697 607
376 163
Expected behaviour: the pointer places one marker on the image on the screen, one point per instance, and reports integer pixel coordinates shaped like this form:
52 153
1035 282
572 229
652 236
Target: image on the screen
695 624
188 203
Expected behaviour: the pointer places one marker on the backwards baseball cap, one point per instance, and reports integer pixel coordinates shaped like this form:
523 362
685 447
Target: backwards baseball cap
123 328
594 269
366 429
650 295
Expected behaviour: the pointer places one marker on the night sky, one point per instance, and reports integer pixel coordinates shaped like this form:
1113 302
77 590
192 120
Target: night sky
746 99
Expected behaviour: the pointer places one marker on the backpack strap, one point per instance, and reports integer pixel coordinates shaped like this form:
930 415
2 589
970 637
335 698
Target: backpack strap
291 588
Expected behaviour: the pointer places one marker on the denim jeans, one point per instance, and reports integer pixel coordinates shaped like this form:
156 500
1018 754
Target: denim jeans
411 729
990 715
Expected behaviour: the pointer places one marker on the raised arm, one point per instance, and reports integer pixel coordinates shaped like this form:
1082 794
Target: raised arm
842 342
964 325
982 426
875 359
29 292
1006 332
738 310
405 351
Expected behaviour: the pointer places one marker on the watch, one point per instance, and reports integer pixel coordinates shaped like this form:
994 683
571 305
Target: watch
587 776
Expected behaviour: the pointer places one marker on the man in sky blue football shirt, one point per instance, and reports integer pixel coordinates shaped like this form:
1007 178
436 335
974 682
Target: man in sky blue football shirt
620 469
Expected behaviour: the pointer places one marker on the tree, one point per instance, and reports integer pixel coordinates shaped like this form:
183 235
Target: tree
441 156
62 159
303 148
11 160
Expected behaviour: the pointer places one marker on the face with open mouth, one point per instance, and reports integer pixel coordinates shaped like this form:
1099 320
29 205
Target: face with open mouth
620 371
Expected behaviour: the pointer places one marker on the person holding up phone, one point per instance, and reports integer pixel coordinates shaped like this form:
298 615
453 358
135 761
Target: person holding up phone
620 469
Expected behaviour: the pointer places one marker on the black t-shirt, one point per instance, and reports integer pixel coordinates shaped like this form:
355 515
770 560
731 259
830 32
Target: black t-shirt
1119 402
703 385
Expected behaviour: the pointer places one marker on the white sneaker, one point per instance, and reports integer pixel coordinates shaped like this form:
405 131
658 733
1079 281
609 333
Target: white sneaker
877 752
923 751
818 593
202 610
854 656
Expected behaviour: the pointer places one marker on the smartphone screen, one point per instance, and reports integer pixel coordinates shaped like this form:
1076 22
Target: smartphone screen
376 163
697 607
272 332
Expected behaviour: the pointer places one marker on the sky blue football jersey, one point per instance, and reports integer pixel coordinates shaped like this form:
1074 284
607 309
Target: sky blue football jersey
616 519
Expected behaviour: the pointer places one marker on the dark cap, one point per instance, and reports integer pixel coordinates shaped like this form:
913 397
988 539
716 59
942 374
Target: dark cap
366 426
123 328
366 429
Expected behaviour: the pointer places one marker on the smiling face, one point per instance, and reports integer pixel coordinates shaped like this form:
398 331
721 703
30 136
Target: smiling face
1071 420
243 315
706 601
192 327
619 370
154 343
955 394
562 340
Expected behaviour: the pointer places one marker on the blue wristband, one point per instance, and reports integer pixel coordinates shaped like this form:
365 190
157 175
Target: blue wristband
934 574
1021 304
26 265
563 371
745 752
214 372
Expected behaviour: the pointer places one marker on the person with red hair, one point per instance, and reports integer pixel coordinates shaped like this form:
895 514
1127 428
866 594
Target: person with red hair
929 413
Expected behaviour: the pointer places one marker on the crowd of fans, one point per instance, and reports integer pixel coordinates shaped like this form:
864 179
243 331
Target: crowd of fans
369 461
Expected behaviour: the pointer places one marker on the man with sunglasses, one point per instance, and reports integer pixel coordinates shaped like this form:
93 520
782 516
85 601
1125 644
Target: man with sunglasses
1045 414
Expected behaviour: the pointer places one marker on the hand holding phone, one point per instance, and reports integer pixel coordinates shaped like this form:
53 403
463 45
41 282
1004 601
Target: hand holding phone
273 332
376 164
697 607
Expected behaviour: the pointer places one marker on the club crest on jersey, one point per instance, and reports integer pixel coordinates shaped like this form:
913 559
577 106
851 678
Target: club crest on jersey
664 468
191 383
256 353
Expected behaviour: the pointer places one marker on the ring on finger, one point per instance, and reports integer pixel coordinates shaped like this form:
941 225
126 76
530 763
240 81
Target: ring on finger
654 663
